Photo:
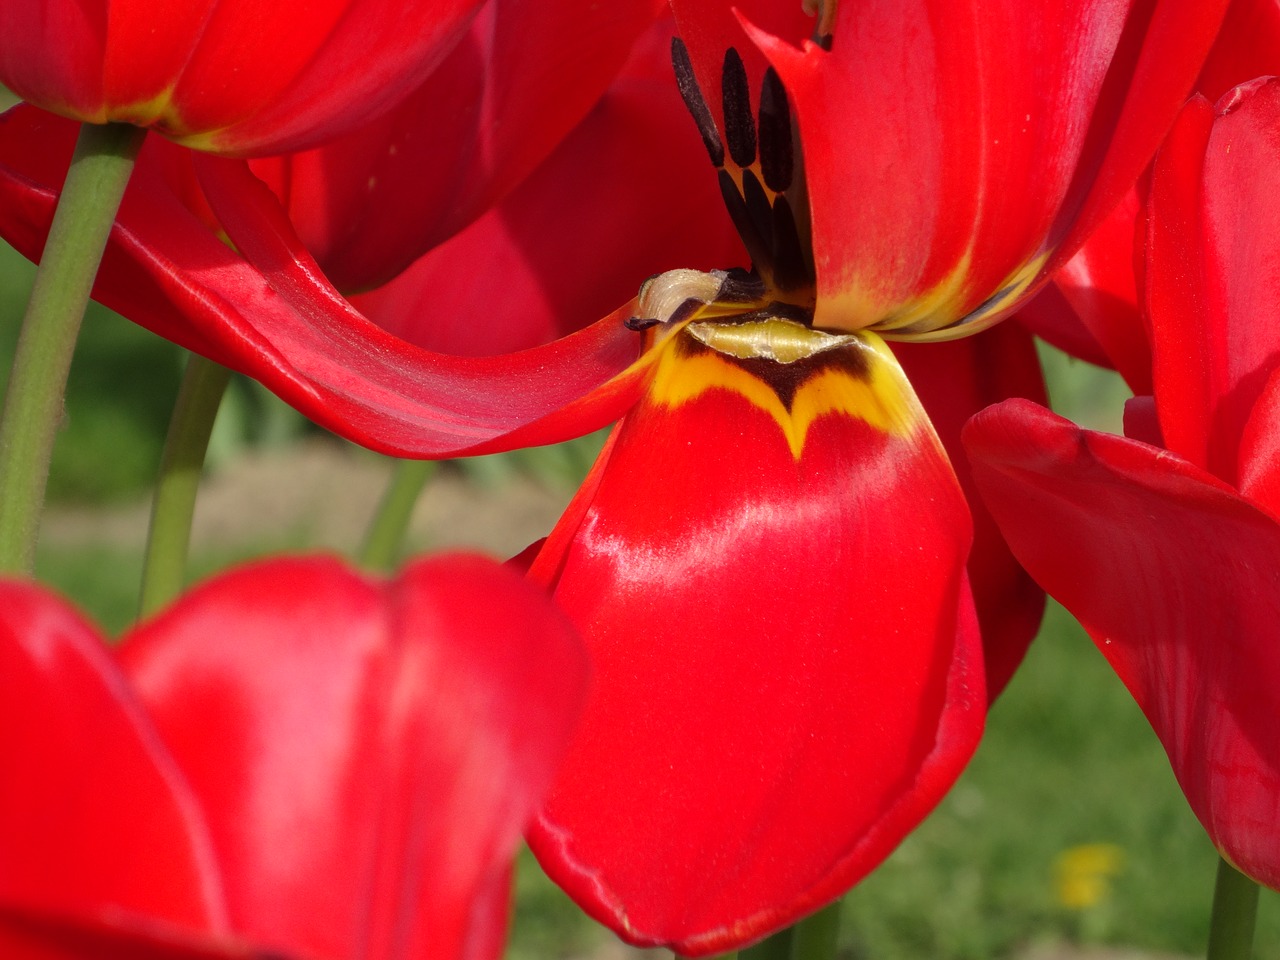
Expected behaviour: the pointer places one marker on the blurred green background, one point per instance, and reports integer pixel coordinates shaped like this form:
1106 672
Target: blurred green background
1067 834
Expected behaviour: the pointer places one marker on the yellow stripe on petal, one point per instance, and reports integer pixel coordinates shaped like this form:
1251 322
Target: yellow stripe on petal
795 374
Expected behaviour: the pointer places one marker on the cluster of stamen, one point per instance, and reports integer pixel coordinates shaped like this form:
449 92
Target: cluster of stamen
758 176
762 148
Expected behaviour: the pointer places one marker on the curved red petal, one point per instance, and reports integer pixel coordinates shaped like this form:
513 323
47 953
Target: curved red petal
367 754
523 76
1173 574
288 328
770 577
98 824
1212 287
954 381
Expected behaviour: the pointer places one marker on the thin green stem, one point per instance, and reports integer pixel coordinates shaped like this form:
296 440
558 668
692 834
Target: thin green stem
385 538
169 536
33 405
1235 909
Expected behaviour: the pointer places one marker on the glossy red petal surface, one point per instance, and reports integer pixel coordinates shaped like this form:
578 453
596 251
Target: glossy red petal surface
786 659
954 381
288 328
368 754
525 74
927 130
97 822
1174 576
1213 289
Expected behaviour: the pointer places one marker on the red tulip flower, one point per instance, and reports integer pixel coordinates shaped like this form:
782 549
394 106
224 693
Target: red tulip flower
292 761
1166 550
770 559
238 78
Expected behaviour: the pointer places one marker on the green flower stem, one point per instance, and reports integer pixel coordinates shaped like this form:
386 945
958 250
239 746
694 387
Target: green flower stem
776 947
33 405
816 937
1235 908
385 538
813 938
164 568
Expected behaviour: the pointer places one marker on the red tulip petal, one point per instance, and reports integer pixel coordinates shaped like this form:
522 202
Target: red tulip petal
97 822
575 239
775 601
1213 288
368 205
975 154
368 754
1248 46
1174 576
954 381
167 271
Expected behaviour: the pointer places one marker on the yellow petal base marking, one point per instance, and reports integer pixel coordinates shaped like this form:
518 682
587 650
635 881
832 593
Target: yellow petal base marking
791 372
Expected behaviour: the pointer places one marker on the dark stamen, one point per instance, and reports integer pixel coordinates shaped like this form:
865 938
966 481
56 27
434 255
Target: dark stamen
777 160
739 127
758 206
789 269
756 245
693 100
640 323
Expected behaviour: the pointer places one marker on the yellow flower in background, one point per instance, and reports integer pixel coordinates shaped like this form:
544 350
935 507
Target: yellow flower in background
1082 874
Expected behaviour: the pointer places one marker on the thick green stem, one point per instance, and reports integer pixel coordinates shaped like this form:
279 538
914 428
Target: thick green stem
1235 909
33 405
816 937
385 539
165 566
813 938
776 947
